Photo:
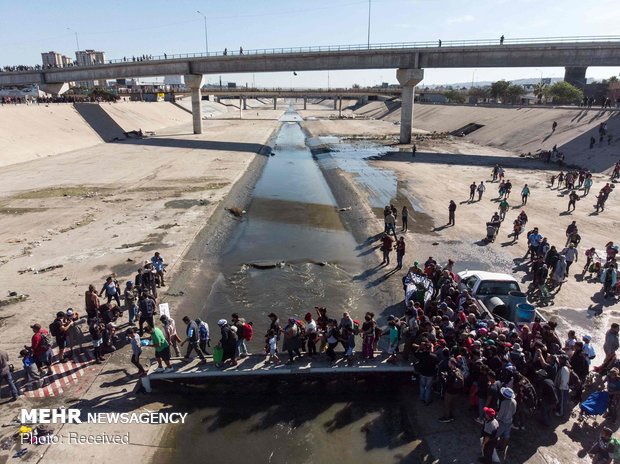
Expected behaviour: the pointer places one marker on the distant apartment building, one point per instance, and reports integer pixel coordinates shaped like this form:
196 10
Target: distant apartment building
89 58
55 60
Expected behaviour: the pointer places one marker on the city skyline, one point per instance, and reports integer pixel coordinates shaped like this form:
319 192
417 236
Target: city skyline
278 23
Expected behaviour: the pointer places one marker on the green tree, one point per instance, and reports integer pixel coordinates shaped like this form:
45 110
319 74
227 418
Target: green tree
539 91
454 96
479 92
612 79
499 89
564 93
514 93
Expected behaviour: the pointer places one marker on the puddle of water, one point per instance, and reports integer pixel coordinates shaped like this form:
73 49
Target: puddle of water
381 185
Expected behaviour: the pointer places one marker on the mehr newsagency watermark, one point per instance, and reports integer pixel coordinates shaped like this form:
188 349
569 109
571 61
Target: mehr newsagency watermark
61 416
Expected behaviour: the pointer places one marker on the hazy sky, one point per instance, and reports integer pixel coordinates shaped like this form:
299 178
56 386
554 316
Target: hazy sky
125 28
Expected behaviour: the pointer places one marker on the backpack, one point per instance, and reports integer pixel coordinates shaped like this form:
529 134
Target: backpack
203 331
248 331
529 396
300 327
459 381
46 341
356 327
54 329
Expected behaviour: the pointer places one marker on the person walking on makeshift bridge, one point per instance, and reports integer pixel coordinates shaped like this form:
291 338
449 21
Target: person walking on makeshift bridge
192 339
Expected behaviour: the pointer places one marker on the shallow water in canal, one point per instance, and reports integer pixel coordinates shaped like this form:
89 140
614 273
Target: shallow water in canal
289 253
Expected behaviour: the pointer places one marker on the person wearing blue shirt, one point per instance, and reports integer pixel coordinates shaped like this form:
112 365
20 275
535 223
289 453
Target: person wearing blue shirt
534 240
159 266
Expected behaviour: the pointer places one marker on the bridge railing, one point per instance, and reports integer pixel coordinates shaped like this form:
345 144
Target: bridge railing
359 47
380 46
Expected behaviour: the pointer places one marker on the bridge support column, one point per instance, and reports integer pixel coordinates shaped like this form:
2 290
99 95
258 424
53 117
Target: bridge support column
575 76
305 103
245 103
339 107
54 89
194 82
408 79
275 102
335 103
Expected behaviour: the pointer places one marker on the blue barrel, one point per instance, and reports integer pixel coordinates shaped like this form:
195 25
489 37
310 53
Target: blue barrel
525 312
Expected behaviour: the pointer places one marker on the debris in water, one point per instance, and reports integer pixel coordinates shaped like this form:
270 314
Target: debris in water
236 211
348 208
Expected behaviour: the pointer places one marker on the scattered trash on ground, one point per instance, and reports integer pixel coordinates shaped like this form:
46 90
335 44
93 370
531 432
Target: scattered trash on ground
39 271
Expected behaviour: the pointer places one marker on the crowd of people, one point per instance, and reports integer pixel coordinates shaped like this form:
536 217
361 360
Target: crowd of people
70 328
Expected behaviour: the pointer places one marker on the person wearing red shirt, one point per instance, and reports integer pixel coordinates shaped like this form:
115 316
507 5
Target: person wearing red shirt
40 347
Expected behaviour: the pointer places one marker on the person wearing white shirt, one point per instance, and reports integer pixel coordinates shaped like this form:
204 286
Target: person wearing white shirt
588 349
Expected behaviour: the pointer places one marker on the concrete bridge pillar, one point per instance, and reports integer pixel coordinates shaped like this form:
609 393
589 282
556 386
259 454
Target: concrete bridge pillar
54 89
575 76
335 103
408 79
275 102
194 82
339 107
245 103
305 103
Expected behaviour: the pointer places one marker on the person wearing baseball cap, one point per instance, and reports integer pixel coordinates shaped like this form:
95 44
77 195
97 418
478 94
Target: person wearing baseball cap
490 427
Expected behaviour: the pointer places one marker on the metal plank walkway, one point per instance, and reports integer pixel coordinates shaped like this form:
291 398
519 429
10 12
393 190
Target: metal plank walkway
254 366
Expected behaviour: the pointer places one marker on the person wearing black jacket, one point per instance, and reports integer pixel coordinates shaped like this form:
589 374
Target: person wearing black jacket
454 386
97 329
193 339
426 367
547 395
146 306
148 280
228 342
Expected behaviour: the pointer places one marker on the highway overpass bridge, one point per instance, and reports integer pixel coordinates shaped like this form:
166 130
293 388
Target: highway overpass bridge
335 94
575 54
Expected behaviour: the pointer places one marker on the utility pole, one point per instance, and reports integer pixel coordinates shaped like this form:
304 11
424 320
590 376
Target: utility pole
77 42
206 40
369 3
